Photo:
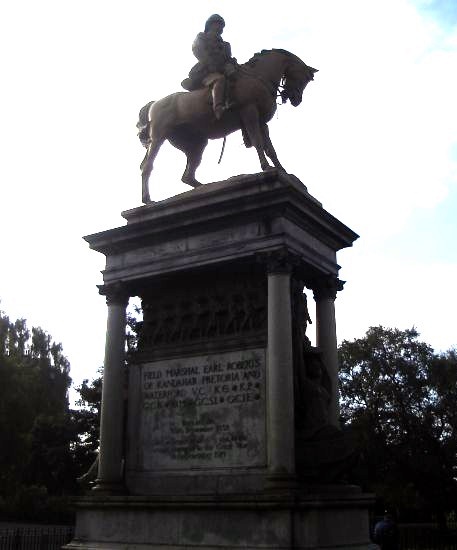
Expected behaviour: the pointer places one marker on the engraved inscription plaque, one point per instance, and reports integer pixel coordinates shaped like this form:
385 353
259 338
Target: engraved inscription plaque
204 412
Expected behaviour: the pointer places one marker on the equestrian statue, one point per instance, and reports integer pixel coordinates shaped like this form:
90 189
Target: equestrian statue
222 97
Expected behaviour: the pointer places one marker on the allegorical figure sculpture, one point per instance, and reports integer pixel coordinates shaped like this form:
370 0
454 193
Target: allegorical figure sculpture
189 119
214 62
323 451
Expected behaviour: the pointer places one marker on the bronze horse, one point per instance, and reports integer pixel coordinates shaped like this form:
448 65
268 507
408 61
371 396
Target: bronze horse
186 119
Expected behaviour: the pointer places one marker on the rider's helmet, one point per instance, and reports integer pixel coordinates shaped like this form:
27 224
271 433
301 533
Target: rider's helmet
215 18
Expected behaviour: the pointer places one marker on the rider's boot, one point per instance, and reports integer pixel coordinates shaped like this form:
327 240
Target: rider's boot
218 93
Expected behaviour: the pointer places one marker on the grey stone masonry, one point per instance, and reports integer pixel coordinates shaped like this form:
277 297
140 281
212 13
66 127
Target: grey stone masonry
213 267
225 435
219 223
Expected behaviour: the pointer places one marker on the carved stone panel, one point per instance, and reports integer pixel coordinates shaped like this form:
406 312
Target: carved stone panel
218 306
203 412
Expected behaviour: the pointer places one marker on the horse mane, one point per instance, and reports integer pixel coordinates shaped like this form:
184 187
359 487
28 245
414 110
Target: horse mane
257 55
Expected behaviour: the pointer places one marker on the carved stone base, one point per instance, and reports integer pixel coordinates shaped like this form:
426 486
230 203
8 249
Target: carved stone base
334 518
225 412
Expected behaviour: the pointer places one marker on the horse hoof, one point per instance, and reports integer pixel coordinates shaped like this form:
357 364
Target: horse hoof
191 181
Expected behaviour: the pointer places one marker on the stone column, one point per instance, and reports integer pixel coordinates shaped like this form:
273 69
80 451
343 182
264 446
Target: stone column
280 376
325 295
110 476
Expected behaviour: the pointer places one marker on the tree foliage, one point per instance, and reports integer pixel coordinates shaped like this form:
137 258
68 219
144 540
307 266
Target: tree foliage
400 398
45 444
87 420
38 434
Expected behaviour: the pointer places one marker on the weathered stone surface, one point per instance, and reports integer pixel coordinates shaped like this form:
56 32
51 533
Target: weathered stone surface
335 519
202 412
201 312
210 445
219 223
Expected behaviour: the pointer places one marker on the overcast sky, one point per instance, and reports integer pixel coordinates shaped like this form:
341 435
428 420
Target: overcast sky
374 140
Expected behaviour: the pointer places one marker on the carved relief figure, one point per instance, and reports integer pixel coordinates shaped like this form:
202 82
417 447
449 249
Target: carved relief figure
233 308
317 392
301 343
323 451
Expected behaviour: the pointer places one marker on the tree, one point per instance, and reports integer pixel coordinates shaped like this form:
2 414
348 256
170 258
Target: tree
45 445
399 397
87 420
37 432
87 416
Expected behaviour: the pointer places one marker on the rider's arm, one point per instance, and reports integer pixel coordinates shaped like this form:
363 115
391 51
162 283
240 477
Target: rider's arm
200 47
228 49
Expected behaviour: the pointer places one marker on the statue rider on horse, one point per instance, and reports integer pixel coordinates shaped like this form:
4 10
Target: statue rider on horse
243 98
215 64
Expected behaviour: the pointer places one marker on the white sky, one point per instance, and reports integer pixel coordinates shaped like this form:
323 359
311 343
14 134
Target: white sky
374 140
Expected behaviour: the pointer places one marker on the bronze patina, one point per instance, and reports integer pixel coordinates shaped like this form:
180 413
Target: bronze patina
214 63
189 119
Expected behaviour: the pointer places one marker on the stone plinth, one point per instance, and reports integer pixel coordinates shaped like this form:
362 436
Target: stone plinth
219 223
332 519
220 449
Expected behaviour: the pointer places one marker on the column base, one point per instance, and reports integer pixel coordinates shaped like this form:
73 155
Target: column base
114 488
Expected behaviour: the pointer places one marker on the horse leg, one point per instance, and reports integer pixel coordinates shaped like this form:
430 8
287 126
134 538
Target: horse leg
194 155
269 149
192 146
145 173
146 167
250 120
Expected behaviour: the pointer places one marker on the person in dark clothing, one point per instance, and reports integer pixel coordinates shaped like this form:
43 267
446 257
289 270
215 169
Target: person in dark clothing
386 533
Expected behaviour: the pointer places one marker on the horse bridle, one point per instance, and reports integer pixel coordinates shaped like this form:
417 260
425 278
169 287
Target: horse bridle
275 90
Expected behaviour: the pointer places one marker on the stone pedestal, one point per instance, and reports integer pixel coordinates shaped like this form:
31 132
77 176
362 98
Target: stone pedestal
221 449
333 520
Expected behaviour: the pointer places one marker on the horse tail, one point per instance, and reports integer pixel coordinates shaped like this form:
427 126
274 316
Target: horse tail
144 120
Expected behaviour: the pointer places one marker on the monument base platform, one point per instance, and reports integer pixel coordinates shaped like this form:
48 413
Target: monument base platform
228 410
334 518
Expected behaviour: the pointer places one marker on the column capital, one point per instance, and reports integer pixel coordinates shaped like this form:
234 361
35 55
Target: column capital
279 261
327 287
116 294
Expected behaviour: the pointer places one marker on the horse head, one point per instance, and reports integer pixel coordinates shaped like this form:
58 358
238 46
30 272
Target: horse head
296 76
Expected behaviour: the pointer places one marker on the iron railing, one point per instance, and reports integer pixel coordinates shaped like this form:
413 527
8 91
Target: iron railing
35 538
427 536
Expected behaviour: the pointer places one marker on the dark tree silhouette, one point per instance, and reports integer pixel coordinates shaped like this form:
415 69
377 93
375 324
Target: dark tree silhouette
400 398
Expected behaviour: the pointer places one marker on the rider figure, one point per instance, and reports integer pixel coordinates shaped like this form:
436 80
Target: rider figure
215 62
